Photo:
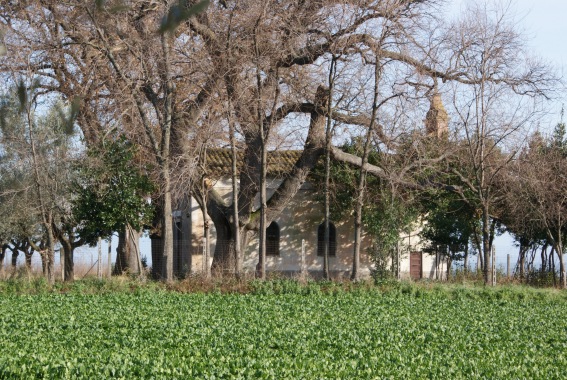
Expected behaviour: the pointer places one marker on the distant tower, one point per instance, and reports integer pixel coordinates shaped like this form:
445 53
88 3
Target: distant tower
436 120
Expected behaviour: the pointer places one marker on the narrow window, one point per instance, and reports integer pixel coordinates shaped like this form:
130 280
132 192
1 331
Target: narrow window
273 239
321 239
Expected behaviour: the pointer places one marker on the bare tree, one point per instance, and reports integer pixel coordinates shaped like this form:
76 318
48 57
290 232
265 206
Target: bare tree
494 108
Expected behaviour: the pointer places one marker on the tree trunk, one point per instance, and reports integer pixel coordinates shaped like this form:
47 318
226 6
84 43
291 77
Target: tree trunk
559 249
263 207
362 178
449 263
15 254
543 255
127 252
328 144
50 256
522 260
167 225
486 248
69 267
561 271
239 258
552 266
224 249
477 243
466 259
28 255
43 257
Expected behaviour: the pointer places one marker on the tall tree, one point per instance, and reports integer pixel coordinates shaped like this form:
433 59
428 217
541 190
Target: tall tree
494 108
111 194
537 187
43 144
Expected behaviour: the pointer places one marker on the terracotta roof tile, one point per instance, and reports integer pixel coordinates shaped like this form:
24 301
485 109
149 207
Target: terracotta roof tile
219 161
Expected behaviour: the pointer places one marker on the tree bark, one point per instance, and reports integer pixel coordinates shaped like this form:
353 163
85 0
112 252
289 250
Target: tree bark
486 248
15 254
50 255
239 258
522 259
559 249
466 259
127 252
68 253
167 239
223 257
28 255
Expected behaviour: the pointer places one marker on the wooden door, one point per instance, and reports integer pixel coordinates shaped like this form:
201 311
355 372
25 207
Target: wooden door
416 265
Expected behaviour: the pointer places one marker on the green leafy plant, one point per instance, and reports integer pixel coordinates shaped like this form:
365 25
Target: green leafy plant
112 191
408 332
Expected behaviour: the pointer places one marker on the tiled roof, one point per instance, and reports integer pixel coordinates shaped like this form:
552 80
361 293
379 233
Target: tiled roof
219 161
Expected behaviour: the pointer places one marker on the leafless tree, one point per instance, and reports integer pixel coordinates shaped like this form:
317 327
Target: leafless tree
500 99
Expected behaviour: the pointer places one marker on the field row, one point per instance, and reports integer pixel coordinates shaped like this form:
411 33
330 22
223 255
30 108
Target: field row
155 334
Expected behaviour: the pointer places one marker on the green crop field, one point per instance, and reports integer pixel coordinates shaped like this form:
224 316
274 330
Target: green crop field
309 334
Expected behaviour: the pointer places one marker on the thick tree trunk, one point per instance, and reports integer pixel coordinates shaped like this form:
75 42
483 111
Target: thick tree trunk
43 257
223 259
50 257
69 266
127 253
28 255
314 148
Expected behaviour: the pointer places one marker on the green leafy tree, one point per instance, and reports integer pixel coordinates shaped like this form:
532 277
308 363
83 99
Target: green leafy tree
449 228
112 195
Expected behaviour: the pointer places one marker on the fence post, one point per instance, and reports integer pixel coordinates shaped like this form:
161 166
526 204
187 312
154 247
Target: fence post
508 265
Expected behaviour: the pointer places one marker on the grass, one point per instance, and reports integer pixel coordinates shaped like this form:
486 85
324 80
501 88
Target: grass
36 285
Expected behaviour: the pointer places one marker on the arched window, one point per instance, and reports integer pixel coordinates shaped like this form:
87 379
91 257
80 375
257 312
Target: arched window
321 239
273 239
